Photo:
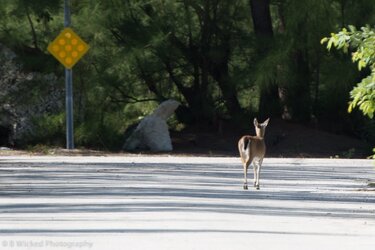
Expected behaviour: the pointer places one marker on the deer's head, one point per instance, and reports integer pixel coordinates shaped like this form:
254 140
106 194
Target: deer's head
260 128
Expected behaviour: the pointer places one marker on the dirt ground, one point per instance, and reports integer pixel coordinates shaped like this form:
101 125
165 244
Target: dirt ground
283 139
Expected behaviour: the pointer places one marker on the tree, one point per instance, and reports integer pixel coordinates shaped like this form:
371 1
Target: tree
188 44
362 42
222 59
262 22
286 70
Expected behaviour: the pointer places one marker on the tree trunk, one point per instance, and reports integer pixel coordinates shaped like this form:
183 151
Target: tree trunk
220 73
194 96
301 100
261 16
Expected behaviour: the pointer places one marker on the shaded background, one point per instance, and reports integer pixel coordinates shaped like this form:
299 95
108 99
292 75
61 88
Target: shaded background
226 61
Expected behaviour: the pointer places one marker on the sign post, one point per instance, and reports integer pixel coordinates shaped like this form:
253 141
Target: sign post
68 88
68 48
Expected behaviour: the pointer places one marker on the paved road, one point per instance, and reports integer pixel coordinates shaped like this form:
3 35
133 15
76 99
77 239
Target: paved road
184 203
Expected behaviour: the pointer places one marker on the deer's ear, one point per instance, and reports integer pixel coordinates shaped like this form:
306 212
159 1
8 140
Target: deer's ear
265 123
256 122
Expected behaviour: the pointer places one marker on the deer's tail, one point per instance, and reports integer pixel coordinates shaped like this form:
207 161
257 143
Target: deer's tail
246 143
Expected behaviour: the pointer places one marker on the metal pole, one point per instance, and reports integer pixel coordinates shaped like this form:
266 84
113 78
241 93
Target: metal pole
68 88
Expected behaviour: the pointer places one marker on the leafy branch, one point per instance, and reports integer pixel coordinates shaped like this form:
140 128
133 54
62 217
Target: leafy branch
362 42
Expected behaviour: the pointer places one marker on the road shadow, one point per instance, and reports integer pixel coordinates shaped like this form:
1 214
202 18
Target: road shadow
182 187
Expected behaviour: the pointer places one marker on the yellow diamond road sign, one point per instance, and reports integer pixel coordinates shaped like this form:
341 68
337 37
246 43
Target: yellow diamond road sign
68 48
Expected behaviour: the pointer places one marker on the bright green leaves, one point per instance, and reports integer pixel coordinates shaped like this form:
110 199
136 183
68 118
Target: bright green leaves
339 40
363 96
362 42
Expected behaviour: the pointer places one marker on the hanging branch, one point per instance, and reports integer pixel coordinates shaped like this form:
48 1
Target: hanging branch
35 41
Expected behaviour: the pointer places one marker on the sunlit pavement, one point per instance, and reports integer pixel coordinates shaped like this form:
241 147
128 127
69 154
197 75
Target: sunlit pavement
152 202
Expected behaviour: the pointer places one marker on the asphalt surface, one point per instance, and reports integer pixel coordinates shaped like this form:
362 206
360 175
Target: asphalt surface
152 202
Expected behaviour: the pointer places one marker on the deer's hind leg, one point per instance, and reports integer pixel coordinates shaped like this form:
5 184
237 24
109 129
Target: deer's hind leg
245 160
246 164
245 167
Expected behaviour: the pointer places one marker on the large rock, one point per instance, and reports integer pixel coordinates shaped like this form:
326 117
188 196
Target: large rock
152 132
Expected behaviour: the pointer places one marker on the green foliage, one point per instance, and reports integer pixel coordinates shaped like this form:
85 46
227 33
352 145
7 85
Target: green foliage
203 53
362 41
107 136
49 130
363 96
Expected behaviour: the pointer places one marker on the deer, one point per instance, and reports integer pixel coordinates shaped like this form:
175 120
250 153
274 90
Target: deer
252 150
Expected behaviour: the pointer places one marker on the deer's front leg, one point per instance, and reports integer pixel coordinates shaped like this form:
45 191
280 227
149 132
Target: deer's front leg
255 168
258 165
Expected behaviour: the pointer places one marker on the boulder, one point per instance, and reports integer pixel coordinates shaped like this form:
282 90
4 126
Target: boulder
152 132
